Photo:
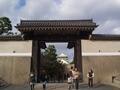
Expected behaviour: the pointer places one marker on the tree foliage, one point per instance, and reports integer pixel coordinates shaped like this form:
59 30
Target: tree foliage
52 67
50 53
5 25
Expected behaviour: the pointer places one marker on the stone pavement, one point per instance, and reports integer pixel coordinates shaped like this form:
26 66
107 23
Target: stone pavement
60 86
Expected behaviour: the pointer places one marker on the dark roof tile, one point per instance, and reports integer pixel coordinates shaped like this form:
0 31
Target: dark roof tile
50 23
105 37
11 38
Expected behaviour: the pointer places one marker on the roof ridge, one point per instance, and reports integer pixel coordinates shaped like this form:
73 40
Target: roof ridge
56 20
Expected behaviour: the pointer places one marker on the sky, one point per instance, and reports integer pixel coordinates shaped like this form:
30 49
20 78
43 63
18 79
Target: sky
106 13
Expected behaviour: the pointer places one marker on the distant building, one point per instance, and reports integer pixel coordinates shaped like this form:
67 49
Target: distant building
62 58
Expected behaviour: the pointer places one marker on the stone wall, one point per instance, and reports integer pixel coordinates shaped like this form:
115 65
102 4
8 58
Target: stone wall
104 67
15 69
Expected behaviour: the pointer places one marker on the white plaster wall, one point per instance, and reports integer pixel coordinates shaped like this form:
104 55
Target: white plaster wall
17 46
103 46
104 67
15 69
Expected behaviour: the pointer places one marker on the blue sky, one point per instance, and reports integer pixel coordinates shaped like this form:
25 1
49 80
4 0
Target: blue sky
106 13
21 3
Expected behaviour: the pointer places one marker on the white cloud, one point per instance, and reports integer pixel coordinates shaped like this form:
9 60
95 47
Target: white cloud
38 9
102 11
106 13
7 7
74 8
107 27
116 30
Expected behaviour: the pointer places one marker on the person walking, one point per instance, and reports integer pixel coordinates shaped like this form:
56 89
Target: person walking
44 78
90 76
32 81
76 76
44 85
70 80
72 72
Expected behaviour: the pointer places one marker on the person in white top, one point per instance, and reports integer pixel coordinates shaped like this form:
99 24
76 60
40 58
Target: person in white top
70 79
76 76
90 76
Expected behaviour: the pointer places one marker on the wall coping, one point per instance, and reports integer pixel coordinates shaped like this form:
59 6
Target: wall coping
83 54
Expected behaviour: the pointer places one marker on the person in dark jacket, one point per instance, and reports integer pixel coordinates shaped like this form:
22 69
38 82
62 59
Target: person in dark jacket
90 76
32 81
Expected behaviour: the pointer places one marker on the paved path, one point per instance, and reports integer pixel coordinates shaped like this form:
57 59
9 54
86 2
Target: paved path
60 86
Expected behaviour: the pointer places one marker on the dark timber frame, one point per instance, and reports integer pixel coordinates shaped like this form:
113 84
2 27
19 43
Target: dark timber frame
42 31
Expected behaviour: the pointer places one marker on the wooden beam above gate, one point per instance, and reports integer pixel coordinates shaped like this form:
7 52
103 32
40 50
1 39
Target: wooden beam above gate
56 30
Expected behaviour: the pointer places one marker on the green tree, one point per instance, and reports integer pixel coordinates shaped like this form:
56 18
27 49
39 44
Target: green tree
52 67
50 53
5 25
51 60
